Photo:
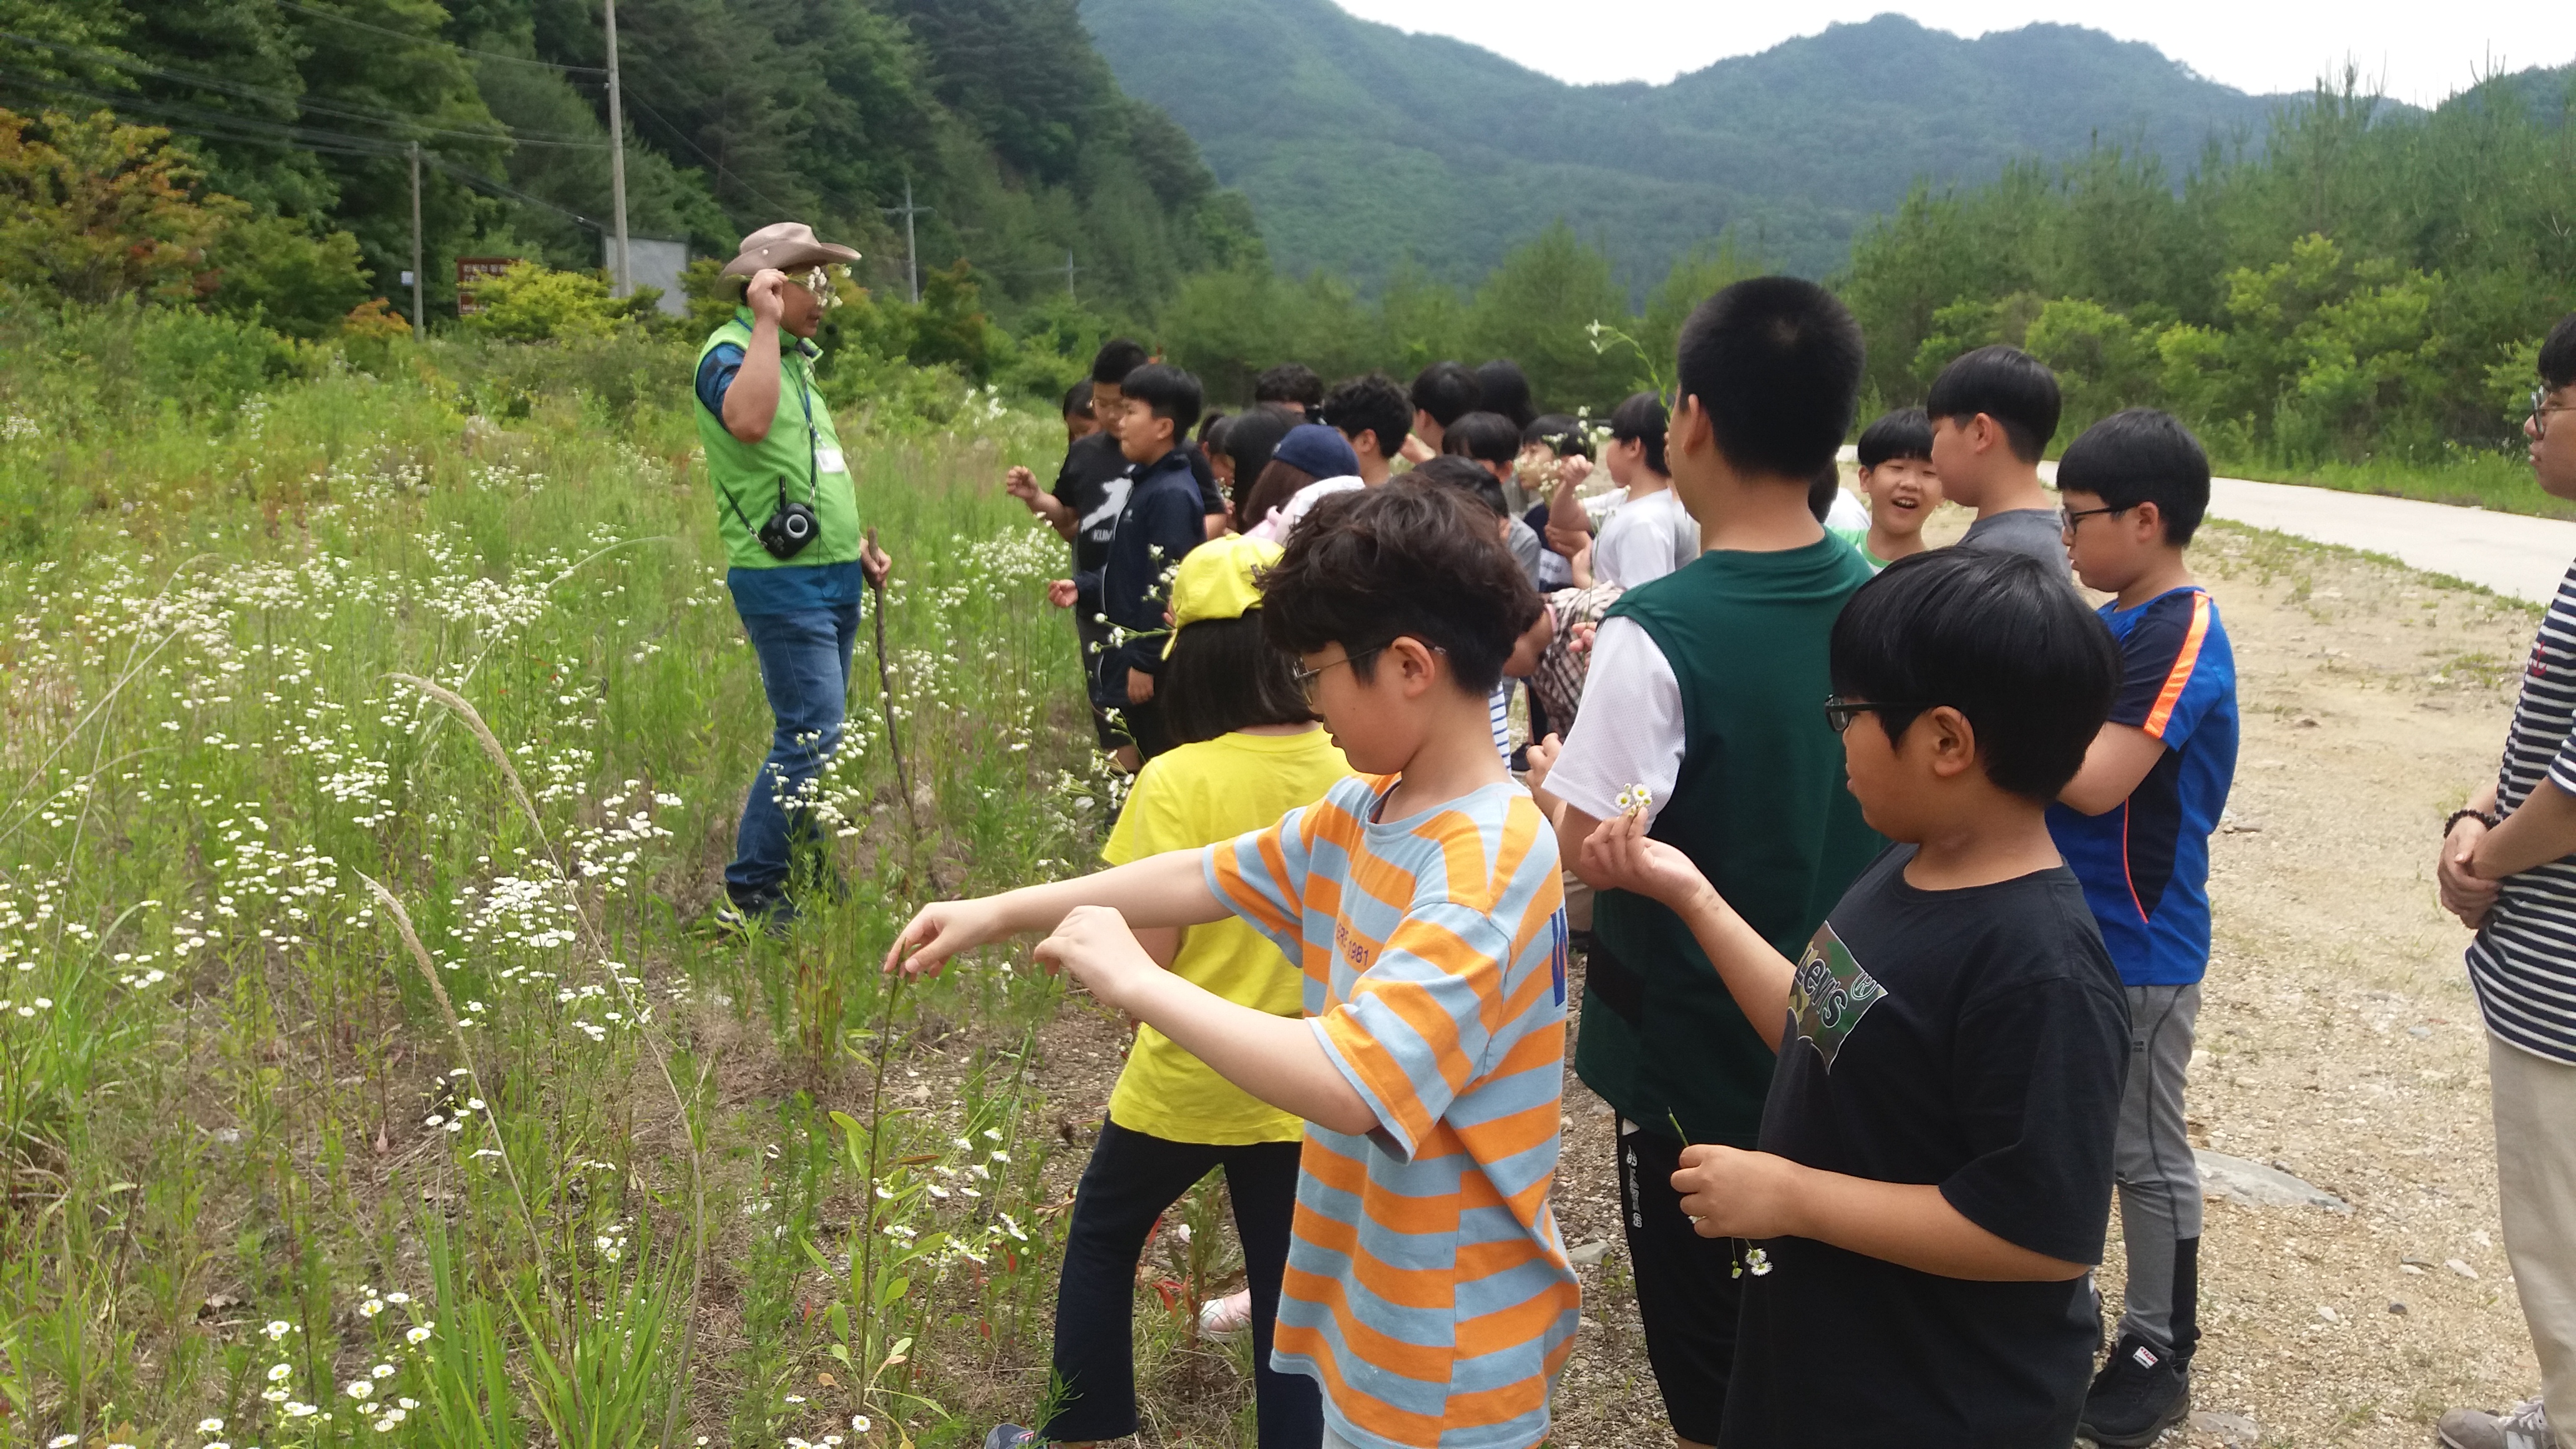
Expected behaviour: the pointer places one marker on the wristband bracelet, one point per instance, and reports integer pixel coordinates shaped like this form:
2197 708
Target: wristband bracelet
2488 818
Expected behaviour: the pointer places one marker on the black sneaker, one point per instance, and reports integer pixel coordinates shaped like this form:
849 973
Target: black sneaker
2139 1394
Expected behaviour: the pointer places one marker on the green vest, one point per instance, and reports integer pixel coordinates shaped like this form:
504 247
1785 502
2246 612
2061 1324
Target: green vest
1760 808
747 476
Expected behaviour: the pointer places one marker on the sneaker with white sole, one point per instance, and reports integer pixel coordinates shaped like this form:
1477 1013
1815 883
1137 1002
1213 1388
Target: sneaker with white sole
1012 1436
1225 1317
2524 1426
2140 1393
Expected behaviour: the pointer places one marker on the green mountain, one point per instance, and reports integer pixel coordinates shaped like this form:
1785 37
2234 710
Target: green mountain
1008 126
1359 144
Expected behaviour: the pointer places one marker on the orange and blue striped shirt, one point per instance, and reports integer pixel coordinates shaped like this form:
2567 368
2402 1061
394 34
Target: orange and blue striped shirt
1427 1289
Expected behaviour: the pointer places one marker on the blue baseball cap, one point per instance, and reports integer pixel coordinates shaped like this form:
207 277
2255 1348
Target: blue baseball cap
1317 450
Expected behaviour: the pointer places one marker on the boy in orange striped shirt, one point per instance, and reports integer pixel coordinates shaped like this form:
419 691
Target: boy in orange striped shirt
1427 1290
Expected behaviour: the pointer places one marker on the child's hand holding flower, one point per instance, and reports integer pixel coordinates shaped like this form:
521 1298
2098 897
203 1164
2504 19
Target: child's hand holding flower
1617 855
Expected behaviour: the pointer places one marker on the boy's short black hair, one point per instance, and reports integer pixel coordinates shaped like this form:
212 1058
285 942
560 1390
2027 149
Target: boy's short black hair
2142 455
1822 488
1904 433
1371 404
1483 436
1641 418
1775 362
1225 675
2558 354
2006 384
1994 635
1077 399
1170 392
1290 382
1452 470
1116 358
1564 436
1503 388
1410 559
1447 391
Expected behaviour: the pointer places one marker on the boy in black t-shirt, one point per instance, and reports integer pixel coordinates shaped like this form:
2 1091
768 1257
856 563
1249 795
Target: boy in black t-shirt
1934 1177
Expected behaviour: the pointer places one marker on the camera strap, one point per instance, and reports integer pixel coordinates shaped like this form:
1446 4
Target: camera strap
813 447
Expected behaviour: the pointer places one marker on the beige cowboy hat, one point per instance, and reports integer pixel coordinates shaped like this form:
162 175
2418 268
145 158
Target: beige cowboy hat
789 246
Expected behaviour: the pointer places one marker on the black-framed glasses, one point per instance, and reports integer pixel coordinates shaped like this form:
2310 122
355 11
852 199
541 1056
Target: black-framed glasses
1307 678
2541 409
1840 712
2067 518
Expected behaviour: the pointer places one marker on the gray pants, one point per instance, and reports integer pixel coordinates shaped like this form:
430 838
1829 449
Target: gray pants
2159 1183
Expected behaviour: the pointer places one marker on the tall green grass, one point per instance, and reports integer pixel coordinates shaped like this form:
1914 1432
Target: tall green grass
2465 477
516 1151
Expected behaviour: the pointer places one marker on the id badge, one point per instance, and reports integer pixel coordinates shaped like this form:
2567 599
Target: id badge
829 460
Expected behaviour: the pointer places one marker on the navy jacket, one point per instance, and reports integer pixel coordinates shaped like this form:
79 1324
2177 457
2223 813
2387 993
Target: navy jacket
1162 520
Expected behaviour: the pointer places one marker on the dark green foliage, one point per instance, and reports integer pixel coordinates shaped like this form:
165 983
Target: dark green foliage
2370 283
1361 144
1008 126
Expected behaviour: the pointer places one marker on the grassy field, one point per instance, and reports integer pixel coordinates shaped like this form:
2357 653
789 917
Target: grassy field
374 739
2498 481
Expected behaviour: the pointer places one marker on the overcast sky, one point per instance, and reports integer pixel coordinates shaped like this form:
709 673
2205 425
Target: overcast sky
2424 51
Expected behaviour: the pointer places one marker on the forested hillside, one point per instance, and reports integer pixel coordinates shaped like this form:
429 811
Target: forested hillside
1008 125
2373 287
1360 144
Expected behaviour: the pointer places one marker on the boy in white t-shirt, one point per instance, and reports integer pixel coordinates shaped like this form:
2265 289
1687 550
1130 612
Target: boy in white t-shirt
1648 533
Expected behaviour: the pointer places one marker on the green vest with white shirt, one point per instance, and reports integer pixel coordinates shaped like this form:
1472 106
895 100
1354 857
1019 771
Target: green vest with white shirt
801 454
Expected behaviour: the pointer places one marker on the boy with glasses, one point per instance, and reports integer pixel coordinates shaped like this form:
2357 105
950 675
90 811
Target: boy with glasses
1934 1170
1427 1289
2134 826
2508 871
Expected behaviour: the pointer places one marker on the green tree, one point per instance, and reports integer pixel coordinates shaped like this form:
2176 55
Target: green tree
97 210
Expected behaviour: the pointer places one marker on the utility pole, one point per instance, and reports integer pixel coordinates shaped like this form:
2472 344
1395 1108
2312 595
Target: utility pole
1069 270
419 329
911 252
622 274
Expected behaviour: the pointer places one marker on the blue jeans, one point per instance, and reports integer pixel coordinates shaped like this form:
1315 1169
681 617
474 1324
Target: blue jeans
805 670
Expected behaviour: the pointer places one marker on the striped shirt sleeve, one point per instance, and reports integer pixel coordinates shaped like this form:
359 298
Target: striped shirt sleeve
2159 661
1261 877
1419 1027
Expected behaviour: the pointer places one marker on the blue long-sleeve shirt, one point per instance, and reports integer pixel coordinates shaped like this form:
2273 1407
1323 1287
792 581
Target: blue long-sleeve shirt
1162 520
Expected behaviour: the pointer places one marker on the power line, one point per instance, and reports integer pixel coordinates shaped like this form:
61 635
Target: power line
220 126
336 110
307 137
721 169
321 14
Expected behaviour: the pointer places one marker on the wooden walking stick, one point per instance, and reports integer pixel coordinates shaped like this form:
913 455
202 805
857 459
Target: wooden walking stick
869 554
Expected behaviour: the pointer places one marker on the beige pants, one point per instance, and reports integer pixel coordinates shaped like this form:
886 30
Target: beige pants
2535 1103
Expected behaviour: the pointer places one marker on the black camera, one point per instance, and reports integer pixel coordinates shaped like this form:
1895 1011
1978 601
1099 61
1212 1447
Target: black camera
789 529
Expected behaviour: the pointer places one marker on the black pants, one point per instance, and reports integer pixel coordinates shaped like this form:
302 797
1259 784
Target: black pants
1131 1179
1687 1291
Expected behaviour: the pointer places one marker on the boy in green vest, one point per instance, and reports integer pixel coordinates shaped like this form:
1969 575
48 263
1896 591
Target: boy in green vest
797 562
1702 697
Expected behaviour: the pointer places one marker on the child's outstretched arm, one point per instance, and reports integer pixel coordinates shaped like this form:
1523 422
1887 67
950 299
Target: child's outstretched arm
1731 1193
1275 1058
1617 855
1161 890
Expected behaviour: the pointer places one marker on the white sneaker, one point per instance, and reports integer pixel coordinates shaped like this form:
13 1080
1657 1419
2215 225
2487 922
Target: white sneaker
2524 1426
1227 1316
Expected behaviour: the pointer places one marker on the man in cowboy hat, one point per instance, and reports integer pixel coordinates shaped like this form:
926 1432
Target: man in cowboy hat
797 561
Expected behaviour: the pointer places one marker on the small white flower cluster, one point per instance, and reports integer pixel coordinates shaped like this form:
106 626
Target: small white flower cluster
1635 800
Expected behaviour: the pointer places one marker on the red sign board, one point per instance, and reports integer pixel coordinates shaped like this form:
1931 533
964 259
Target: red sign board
470 270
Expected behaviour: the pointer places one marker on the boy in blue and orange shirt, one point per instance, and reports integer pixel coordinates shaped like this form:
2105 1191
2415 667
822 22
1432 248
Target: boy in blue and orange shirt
2134 826
1427 1290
